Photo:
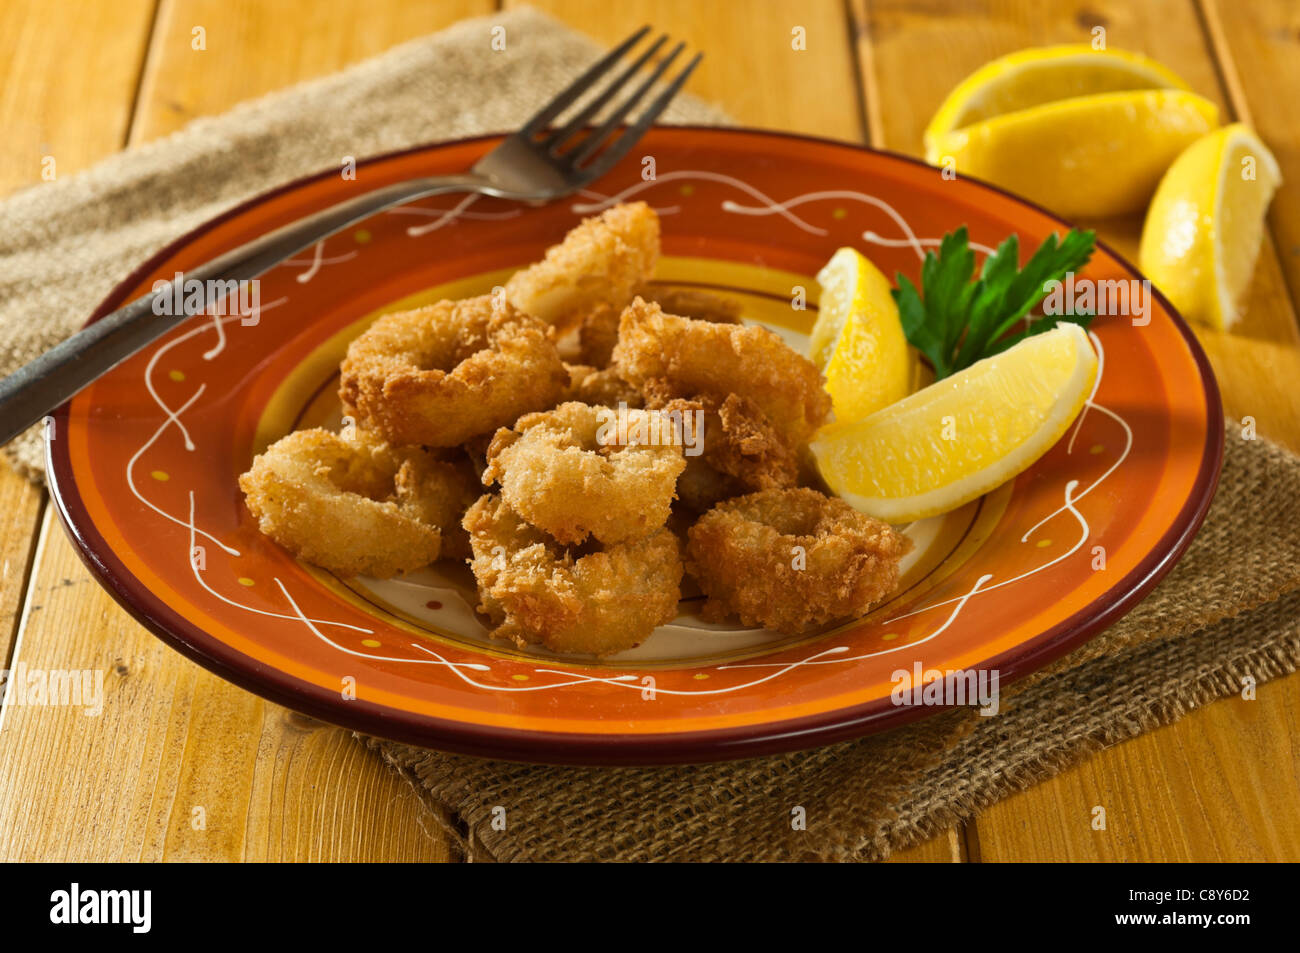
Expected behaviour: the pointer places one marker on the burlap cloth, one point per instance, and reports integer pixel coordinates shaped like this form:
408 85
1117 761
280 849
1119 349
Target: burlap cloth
1226 614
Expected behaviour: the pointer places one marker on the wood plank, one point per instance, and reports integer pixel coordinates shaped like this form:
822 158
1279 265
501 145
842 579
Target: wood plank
253 48
749 66
70 72
173 740
20 512
1256 47
172 737
912 56
1207 788
947 848
94 52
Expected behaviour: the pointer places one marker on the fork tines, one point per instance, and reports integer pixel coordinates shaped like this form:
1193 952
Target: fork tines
580 148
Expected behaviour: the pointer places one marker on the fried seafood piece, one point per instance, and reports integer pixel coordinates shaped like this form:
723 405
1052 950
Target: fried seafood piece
792 560
579 471
736 440
599 331
350 503
443 374
693 358
600 262
599 602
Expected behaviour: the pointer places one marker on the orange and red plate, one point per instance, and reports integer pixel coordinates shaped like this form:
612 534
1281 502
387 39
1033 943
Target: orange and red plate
144 463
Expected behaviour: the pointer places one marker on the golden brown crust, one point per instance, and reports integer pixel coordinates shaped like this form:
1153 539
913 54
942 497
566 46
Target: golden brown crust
598 334
694 358
600 262
566 472
441 375
353 504
694 303
597 602
735 438
792 560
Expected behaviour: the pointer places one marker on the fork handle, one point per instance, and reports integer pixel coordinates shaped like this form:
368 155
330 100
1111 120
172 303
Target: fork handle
35 389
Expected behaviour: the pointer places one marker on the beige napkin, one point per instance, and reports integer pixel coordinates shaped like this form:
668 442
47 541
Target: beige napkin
1228 610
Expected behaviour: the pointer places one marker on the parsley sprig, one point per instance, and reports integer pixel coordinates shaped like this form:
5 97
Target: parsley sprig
955 321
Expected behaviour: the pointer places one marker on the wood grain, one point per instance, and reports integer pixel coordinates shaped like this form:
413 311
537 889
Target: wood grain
1171 788
70 72
179 765
1220 787
96 53
1257 45
749 66
947 848
252 48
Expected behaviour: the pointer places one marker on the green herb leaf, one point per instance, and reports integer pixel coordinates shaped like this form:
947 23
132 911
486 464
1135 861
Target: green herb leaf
955 321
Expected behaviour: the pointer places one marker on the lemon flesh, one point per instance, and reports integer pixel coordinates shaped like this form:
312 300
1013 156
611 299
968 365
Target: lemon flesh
857 341
964 435
1041 75
1085 133
1203 231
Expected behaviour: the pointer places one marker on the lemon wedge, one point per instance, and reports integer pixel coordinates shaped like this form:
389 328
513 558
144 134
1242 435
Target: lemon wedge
857 341
1206 222
1081 131
964 435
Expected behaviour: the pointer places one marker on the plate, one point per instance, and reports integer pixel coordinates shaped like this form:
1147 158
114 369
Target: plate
144 462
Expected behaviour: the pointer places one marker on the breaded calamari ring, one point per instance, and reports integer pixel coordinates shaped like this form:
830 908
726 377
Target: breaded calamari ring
599 331
352 504
704 357
601 261
440 375
574 473
535 591
792 560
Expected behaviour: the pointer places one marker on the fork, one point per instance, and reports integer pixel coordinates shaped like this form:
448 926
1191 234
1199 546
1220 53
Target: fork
537 163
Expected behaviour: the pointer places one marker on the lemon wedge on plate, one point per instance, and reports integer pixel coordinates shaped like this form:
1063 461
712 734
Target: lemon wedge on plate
857 341
964 435
1081 131
1206 222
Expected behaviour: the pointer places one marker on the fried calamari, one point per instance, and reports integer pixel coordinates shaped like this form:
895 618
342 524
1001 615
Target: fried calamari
599 602
600 262
681 357
579 471
598 334
441 375
736 439
353 504
792 560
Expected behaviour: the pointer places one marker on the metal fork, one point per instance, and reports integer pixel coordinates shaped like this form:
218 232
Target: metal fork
535 164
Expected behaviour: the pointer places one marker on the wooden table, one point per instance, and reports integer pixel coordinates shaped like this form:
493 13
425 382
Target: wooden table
84 78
